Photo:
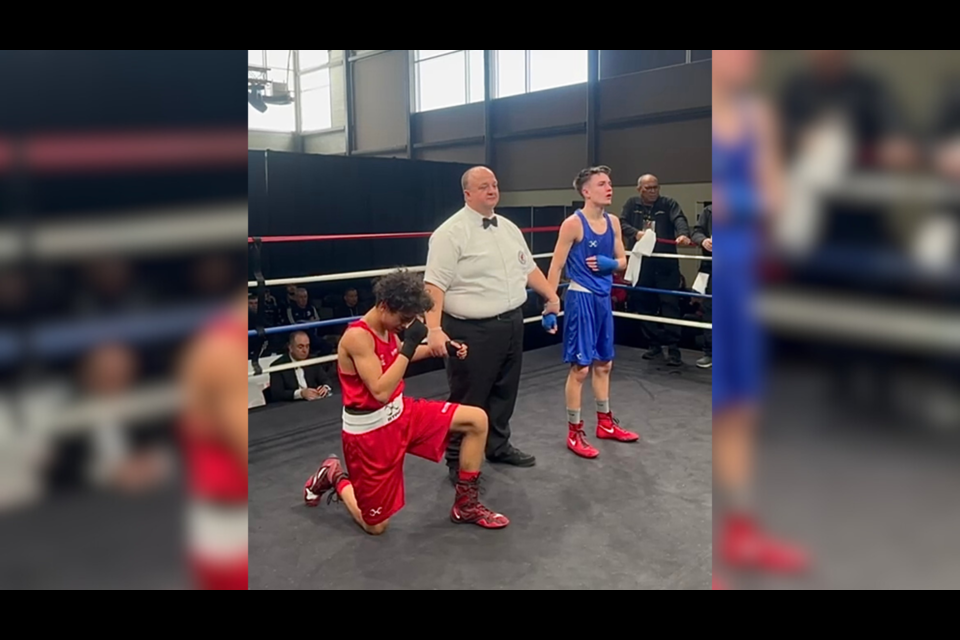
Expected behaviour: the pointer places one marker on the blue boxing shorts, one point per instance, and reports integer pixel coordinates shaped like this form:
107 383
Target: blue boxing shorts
587 328
738 352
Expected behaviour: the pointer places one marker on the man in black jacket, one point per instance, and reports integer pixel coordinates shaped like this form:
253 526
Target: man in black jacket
662 215
703 237
305 383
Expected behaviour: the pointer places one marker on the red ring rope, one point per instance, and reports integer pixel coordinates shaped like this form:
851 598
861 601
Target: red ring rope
391 236
91 152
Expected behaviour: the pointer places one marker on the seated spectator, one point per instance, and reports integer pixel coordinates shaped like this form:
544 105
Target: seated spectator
271 318
121 455
289 301
302 383
212 276
301 312
109 285
350 308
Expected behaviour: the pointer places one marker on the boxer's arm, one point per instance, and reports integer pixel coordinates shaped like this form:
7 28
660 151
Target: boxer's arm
619 251
569 233
215 389
770 167
362 352
538 282
422 353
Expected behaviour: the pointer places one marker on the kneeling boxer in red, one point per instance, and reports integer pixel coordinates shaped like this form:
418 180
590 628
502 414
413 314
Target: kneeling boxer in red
381 425
214 434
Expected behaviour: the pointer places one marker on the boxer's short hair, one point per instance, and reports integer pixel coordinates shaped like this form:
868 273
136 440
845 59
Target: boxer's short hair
584 176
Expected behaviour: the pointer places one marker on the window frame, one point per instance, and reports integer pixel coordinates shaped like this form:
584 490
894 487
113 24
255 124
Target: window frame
297 73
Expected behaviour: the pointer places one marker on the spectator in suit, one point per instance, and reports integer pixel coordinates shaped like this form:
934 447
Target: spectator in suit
111 453
302 383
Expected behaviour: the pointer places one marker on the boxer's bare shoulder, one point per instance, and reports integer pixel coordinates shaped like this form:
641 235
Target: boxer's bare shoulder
213 383
356 342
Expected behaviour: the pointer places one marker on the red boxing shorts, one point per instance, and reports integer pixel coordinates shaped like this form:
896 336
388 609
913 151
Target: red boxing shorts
211 576
217 545
375 444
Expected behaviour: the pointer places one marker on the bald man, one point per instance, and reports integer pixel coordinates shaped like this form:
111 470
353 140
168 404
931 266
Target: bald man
663 215
478 269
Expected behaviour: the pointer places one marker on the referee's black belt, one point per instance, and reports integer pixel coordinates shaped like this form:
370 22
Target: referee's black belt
505 316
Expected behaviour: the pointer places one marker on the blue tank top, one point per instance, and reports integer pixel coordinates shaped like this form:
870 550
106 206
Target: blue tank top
734 172
592 244
736 224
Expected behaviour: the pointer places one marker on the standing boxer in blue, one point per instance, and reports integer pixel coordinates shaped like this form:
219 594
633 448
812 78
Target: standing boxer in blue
746 185
590 246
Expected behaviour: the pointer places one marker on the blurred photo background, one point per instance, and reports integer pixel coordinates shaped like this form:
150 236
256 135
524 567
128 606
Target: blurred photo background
858 454
122 228
123 184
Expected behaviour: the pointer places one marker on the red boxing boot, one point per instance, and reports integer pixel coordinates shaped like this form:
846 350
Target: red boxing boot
608 428
576 442
745 546
327 477
468 510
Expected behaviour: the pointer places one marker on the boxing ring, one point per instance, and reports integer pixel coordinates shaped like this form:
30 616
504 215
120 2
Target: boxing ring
636 517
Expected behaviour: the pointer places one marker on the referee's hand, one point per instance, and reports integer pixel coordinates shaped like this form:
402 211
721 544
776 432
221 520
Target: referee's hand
437 342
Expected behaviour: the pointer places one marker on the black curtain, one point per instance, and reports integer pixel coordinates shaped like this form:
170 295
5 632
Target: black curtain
307 194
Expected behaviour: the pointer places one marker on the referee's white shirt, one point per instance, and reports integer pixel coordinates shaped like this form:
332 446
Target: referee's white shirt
482 272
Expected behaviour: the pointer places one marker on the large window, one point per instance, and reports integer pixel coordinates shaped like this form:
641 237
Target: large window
314 101
523 71
316 112
447 78
279 65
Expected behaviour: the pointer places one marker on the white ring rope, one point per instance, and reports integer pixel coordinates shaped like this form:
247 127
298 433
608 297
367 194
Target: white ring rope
618 314
679 256
373 273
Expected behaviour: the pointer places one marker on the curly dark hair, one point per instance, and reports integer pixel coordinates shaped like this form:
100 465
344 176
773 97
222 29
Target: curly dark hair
403 292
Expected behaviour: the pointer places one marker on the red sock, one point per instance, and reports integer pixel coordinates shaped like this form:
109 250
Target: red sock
343 484
468 476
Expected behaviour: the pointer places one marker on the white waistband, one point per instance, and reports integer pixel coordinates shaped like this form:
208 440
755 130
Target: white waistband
578 287
217 533
367 422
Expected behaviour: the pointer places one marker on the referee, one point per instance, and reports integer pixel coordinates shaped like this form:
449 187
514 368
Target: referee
478 269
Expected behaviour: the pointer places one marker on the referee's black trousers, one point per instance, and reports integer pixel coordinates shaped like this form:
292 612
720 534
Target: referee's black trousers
489 377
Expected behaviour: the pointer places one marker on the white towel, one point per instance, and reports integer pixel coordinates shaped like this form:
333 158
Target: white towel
700 284
643 247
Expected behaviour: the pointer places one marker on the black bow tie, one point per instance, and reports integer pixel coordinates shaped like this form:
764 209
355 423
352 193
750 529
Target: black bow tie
489 221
